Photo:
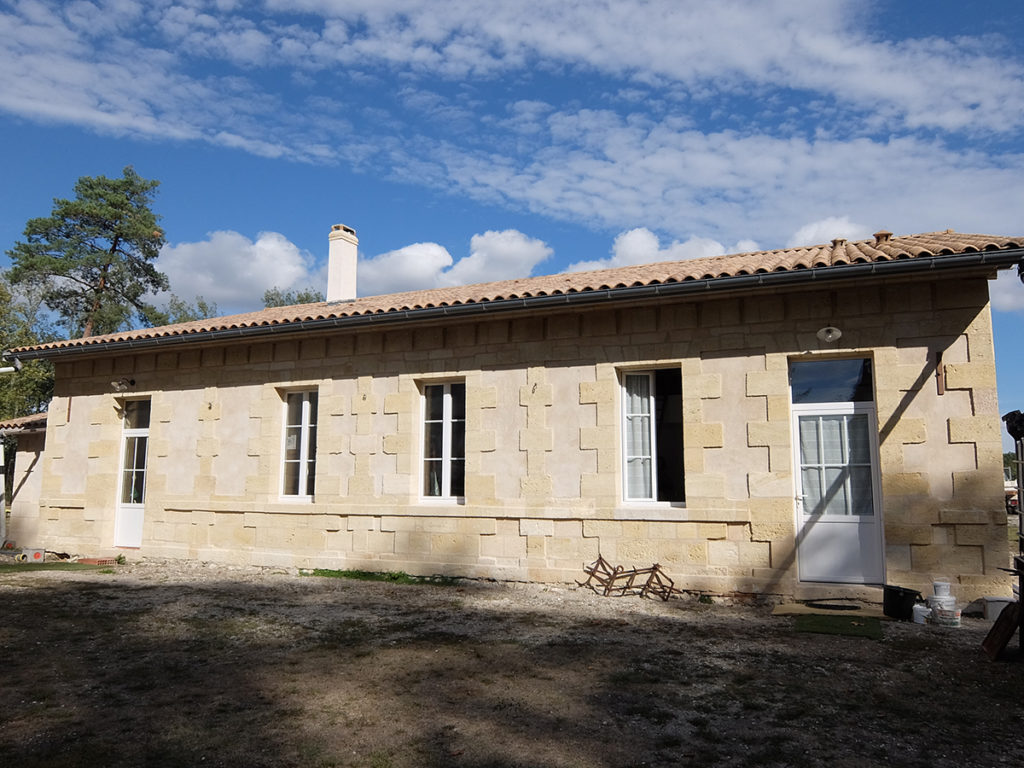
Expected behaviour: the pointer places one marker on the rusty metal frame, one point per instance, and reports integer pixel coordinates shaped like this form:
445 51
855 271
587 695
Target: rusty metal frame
617 581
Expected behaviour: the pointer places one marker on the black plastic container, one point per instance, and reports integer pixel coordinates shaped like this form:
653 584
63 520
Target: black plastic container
898 602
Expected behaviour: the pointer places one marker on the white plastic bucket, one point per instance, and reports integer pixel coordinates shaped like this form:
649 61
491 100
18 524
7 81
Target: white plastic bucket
946 617
941 588
942 602
921 613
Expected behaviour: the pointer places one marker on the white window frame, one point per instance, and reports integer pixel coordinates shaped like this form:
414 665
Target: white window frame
628 495
307 444
129 516
445 459
127 435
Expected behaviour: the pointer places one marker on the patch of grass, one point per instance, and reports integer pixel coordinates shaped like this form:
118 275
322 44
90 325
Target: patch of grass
854 626
392 577
22 567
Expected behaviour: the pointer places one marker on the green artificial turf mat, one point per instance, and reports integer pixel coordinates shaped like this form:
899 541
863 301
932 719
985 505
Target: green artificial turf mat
24 567
854 626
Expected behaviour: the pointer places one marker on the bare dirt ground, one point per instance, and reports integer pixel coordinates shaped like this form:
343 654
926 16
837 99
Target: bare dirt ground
180 664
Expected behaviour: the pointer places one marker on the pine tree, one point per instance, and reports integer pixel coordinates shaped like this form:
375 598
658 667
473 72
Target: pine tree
92 257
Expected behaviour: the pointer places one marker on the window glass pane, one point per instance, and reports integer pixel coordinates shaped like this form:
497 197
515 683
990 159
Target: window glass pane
810 450
292 447
810 479
458 477
860 491
833 448
458 392
294 416
131 489
434 402
638 394
310 476
434 440
667 428
458 440
835 501
312 407
129 453
831 381
291 478
432 477
858 439
140 452
638 436
638 478
136 414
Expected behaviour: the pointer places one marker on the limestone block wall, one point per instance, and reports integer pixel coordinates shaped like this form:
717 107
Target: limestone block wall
544 490
26 485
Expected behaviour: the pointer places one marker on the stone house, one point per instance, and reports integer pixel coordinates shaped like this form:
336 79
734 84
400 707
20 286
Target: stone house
806 421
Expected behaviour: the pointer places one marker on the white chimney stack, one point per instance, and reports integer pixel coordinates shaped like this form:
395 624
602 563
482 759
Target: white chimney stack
342 255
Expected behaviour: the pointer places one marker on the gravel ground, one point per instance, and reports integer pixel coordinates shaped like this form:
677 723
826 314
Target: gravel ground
172 663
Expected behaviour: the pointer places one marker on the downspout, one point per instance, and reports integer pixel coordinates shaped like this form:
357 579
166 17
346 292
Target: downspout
3 494
13 368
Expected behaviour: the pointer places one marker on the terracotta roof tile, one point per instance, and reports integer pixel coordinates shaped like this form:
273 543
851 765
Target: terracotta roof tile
24 423
881 248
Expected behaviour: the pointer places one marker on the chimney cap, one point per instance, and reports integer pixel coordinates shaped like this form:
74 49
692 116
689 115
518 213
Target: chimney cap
343 228
838 242
882 236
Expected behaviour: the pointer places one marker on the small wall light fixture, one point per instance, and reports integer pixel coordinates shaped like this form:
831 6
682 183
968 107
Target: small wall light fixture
14 367
122 385
829 333
1015 424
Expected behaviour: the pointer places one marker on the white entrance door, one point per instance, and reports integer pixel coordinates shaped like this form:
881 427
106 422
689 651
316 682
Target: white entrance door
128 526
130 512
838 501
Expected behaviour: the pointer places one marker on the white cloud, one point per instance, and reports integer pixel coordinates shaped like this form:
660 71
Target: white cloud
493 256
809 116
740 45
1007 292
498 256
826 230
618 170
411 268
641 246
234 271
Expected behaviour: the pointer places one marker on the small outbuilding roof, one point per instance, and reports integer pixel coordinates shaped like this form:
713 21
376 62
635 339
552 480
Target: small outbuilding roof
35 422
743 271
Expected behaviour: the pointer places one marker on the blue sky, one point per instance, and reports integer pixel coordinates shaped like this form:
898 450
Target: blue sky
469 141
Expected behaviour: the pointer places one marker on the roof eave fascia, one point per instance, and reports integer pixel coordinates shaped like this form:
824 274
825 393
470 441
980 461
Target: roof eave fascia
704 287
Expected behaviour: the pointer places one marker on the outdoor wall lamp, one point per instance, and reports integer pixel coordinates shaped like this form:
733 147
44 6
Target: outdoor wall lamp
122 385
829 333
1014 424
14 367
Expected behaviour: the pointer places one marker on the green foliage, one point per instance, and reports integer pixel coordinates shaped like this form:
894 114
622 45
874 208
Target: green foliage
91 257
29 390
180 311
275 297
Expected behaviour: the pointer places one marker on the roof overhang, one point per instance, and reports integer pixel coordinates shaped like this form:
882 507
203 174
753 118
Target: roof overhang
834 275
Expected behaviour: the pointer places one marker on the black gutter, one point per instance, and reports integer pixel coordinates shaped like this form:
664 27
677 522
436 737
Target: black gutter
992 259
